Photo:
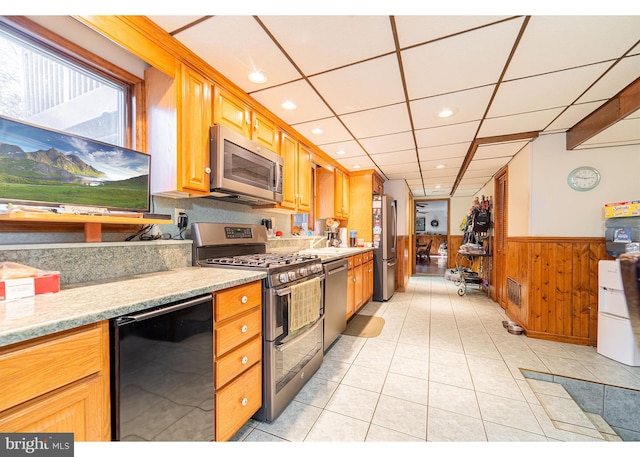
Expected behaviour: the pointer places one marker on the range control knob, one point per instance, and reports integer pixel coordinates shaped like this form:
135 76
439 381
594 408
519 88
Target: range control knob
283 277
303 271
292 275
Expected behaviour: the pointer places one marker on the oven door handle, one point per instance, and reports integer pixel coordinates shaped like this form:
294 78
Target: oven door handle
287 291
283 346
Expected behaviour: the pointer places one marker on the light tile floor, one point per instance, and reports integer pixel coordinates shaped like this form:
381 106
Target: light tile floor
443 369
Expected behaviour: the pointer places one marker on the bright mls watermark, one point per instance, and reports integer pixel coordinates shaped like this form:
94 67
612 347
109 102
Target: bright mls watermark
36 444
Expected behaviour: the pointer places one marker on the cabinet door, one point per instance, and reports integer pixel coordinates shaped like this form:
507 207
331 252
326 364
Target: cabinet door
304 179
194 123
345 196
368 281
289 152
339 194
266 133
81 408
350 293
358 280
230 111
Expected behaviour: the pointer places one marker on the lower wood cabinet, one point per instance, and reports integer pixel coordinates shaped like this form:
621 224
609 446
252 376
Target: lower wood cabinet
237 357
58 383
359 281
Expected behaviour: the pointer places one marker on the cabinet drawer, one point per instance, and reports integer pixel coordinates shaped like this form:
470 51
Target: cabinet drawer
36 367
237 331
237 402
235 300
237 361
350 262
357 260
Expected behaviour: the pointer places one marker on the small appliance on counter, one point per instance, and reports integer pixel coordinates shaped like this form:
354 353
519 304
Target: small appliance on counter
333 237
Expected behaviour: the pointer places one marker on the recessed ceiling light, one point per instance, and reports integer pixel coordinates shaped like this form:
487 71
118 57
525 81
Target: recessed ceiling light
438 186
445 113
356 166
289 106
257 77
341 152
440 166
317 131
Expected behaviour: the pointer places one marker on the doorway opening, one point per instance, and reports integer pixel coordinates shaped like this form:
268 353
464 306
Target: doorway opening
431 231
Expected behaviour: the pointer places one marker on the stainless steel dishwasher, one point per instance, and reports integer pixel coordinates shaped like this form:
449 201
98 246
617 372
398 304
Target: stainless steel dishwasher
335 300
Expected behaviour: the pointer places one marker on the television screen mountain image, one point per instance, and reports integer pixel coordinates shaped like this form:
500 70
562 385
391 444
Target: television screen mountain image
43 166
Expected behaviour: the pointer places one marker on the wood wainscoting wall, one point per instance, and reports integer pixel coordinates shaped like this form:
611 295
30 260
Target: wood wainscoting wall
453 245
403 262
556 280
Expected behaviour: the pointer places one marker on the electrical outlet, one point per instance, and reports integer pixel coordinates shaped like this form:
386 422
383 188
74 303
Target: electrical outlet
176 214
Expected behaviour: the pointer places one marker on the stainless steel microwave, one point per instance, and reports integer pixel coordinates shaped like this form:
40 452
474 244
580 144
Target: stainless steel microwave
242 171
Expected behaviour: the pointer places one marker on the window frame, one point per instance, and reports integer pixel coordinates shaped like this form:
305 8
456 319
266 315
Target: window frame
56 44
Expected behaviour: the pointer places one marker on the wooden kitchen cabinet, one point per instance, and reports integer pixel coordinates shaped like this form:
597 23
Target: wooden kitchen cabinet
332 192
178 118
359 282
363 184
237 357
58 383
297 195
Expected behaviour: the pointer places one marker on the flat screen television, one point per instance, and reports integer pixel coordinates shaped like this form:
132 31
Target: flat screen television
41 166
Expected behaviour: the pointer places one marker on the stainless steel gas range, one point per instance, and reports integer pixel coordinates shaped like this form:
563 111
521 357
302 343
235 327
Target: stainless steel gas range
292 305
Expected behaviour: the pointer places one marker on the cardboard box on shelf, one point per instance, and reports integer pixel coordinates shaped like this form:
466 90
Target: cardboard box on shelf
622 209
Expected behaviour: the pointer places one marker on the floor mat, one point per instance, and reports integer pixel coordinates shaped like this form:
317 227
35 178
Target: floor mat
364 326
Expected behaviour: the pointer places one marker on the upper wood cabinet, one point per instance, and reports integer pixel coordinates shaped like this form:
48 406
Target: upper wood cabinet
178 120
332 193
194 120
341 196
363 184
297 195
234 113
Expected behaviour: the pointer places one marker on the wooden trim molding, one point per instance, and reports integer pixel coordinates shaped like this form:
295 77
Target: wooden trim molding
627 101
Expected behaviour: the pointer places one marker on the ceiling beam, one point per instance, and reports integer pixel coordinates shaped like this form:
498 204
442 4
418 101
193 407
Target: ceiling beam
626 102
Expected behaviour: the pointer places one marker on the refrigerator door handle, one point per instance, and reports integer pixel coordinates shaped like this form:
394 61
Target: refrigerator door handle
391 263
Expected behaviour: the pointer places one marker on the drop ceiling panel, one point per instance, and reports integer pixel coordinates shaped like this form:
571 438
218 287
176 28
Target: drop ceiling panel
571 41
349 148
467 105
444 152
353 88
573 115
490 151
403 175
389 143
173 23
518 123
437 68
488 164
450 134
355 163
408 156
380 121
420 29
545 91
309 105
399 167
616 79
321 43
332 131
486 173
247 51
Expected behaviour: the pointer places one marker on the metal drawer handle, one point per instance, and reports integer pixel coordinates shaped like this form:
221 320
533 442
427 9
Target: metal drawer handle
244 329
245 359
244 401
244 299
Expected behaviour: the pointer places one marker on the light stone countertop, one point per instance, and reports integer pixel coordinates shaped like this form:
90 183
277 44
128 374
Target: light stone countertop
32 317
329 254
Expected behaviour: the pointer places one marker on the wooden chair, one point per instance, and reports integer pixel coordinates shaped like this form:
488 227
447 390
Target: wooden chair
424 252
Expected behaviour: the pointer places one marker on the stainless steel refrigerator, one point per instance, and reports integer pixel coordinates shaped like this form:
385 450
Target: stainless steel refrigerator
384 243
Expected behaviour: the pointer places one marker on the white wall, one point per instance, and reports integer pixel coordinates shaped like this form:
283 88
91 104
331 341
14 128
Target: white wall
458 210
556 209
518 193
399 191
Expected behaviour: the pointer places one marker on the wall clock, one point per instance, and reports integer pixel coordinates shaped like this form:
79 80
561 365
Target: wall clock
583 178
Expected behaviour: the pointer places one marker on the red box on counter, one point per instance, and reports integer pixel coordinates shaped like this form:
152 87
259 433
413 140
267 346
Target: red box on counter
11 289
20 281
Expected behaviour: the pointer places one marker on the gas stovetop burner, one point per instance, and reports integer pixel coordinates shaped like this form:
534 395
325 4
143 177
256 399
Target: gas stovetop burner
265 261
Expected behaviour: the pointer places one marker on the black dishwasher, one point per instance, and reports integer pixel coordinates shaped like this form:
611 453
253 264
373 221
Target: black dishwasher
162 373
